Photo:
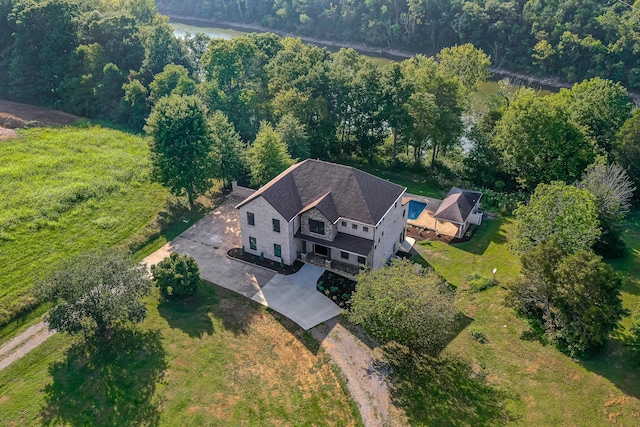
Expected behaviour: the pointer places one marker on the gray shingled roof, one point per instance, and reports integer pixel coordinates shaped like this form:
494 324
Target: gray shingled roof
458 204
336 190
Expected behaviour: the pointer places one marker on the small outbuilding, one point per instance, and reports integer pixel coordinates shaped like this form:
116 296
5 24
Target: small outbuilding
460 207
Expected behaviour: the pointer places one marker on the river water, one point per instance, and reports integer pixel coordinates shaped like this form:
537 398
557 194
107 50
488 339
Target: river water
485 90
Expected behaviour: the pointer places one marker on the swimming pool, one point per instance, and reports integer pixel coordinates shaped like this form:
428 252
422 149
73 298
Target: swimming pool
415 209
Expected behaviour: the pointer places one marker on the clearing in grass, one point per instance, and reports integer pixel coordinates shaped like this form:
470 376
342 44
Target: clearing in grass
64 191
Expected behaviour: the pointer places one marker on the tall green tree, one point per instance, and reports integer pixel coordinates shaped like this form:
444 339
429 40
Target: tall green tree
466 63
161 48
627 150
294 134
135 106
45 36
172 79
428 78
268 156
396 91
228 149
575 297
601 106
95 293
539 143
559 211
181 145
409 306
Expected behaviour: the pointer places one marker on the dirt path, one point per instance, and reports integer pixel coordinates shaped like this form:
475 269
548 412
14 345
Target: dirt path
15 115
22 344
358 363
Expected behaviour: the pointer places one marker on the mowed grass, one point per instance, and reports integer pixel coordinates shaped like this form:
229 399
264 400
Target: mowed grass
64 191
214 359
521 380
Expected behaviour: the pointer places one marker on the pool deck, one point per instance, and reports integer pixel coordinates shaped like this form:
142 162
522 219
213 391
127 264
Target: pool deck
426 218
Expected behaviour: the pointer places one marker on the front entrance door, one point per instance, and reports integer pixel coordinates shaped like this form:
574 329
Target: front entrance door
321 250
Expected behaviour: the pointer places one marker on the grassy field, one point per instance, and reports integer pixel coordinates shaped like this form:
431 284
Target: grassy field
214 359
64 191
519 379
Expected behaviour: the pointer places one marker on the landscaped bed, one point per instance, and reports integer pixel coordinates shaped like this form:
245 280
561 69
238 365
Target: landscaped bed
281 268
338 288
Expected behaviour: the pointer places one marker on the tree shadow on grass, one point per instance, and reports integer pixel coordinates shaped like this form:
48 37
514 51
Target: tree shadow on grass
236 312
194 315
190 314
614 362
443 391
107 383
490 231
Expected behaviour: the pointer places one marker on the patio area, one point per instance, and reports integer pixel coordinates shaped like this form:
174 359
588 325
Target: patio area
426 218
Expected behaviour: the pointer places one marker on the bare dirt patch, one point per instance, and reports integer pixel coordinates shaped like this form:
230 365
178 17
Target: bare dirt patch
360 364
7 133
14 115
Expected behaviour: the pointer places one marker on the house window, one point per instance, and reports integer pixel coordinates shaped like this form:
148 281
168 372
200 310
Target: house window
362 260
251 219
354 226
344 223
276 225
316 226
404 211
344 255
252 243
277 250
365 229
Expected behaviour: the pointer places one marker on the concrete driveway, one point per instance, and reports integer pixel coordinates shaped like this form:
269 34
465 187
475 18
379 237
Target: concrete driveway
208 241
296 295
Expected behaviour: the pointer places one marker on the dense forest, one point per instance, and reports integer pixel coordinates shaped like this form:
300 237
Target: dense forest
114 60
570 39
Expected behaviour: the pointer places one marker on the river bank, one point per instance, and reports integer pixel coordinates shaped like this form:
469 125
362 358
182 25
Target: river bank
549 83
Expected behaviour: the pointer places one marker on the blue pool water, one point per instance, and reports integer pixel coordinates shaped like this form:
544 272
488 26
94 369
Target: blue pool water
415 209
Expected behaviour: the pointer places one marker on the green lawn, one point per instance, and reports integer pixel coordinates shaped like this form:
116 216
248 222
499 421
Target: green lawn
214 359
64 191
520 380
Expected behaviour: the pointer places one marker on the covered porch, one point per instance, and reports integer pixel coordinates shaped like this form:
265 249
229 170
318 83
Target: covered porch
345 255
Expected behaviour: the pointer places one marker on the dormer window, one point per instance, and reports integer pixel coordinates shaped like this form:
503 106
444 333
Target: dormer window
316 226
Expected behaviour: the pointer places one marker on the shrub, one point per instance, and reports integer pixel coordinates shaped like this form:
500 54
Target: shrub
177 275
478 335
634 340
479 283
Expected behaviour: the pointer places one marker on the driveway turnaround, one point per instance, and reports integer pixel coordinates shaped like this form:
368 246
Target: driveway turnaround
296 297
208 241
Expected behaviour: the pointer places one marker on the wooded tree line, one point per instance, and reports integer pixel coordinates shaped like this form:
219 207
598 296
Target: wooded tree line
574 39
117 60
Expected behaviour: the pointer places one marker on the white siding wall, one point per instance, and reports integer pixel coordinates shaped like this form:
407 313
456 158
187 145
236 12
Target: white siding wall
348 229
387 234
263 231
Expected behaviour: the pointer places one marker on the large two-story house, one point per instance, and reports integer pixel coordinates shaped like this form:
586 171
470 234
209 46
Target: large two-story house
321 209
